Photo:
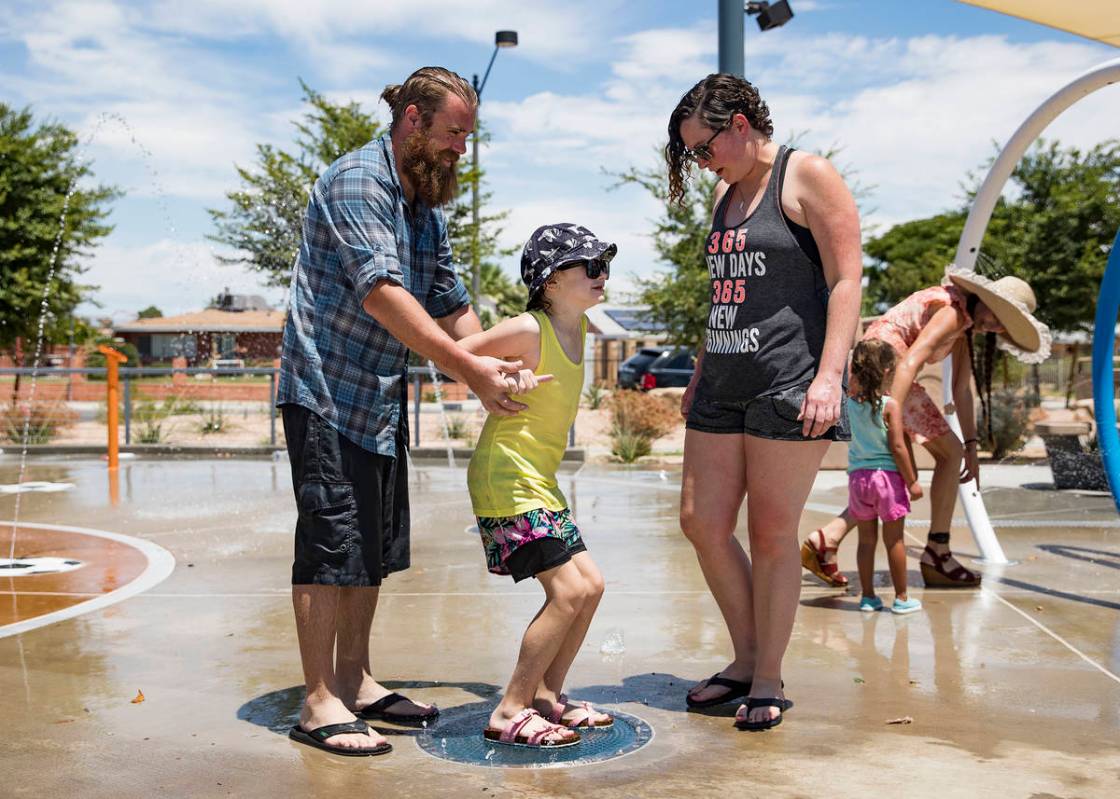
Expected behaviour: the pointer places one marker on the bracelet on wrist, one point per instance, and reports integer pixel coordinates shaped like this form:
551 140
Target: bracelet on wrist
968 441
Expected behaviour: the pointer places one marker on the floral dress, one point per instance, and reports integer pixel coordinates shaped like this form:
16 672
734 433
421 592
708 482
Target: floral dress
900 327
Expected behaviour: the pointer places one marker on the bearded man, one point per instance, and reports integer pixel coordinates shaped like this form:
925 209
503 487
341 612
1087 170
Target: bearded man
373 280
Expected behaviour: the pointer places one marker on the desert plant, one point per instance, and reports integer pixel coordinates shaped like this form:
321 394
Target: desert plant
628 446
150 432
637 420
213 421
34 423
594 395
457 427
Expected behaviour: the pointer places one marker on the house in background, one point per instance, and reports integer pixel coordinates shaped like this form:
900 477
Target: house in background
237 327
617 332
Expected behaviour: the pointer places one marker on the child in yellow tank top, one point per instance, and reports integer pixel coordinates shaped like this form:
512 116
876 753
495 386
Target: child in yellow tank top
523 518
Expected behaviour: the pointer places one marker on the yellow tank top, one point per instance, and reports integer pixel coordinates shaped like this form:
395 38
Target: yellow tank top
513 469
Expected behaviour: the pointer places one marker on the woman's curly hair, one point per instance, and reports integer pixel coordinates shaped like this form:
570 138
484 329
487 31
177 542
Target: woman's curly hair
713 101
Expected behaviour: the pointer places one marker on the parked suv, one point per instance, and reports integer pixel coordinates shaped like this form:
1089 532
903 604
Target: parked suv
633 369
671 369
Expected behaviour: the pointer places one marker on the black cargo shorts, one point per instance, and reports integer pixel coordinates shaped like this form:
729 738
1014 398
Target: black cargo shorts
353 526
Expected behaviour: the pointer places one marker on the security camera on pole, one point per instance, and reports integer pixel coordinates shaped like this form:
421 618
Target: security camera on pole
770 16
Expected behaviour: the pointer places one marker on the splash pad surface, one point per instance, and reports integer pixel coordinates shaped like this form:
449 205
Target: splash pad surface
1013 689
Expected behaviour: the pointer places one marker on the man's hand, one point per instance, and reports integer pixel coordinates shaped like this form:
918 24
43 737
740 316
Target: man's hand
915 489
820 409
492 380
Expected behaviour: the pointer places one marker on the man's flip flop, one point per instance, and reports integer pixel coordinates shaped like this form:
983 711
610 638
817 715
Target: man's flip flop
763 701
736 690
318 737
378 711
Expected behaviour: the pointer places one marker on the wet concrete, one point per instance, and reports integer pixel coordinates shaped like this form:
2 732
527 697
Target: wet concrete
1012 690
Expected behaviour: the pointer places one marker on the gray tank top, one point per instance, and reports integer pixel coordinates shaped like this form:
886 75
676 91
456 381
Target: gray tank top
769 301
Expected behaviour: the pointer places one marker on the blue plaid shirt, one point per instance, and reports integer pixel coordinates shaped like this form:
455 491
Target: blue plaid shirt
337 360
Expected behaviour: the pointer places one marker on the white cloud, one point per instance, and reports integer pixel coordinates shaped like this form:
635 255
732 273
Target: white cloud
912 116
174 276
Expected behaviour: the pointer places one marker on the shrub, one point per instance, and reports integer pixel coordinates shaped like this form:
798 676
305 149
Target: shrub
637 420
1010 417
213 422
594 395
457 427
95 360
41 421
645 414
628 447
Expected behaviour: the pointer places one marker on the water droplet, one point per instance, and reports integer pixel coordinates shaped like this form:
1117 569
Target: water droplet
613 643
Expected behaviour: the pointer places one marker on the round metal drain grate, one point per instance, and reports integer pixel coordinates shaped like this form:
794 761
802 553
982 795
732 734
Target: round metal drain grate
459 738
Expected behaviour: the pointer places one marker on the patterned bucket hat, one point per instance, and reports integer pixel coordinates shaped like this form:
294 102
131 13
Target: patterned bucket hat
554 246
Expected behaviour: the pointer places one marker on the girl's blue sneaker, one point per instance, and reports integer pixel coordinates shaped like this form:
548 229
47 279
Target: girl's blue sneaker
902 606
870 604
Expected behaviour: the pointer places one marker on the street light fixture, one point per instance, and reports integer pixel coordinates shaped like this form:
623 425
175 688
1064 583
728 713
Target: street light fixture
502 40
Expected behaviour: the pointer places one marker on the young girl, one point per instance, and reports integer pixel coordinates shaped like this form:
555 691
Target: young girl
880 472
523 518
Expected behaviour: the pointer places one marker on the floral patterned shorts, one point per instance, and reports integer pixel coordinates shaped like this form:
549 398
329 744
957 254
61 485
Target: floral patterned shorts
921 417
504 535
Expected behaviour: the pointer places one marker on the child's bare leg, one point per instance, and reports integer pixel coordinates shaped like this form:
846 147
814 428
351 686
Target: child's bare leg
565 594
552 685
865 555
896 554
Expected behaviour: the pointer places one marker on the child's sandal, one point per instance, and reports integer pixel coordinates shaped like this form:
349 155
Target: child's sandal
511 734
584 714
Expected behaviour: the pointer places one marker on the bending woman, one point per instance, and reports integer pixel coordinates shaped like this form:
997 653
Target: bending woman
923 329
767 397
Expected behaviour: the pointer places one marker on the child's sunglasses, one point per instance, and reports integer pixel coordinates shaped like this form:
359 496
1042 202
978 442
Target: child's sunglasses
595 267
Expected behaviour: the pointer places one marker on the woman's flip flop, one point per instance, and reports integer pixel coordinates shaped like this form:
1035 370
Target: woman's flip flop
737 689
763 701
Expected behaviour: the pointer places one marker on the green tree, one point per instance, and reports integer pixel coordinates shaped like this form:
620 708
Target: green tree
151 312
909 257
678 297
1054 229
496 284
1057 232
265 221
41 176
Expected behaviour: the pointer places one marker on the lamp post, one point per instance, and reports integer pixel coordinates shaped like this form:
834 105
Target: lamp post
501 39
770 15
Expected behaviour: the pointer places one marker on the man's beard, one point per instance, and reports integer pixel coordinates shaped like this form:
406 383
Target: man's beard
434 182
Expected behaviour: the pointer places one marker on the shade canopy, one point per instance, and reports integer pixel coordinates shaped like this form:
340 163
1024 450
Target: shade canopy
1098 20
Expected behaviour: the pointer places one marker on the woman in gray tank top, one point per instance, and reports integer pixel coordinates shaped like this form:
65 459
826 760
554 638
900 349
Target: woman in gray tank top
784 269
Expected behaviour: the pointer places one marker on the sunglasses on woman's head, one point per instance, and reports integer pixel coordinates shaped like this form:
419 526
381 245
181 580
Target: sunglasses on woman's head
703 150
594 267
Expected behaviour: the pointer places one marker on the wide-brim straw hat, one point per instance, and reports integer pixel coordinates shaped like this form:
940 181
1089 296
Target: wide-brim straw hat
1012 301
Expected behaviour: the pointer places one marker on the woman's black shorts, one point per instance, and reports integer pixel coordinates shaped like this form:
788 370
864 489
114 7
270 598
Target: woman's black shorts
771 415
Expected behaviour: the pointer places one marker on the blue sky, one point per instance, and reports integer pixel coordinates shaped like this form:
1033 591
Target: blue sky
914 92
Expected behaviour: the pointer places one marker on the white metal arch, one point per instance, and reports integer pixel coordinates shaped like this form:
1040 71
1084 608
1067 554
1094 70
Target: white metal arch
969 246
